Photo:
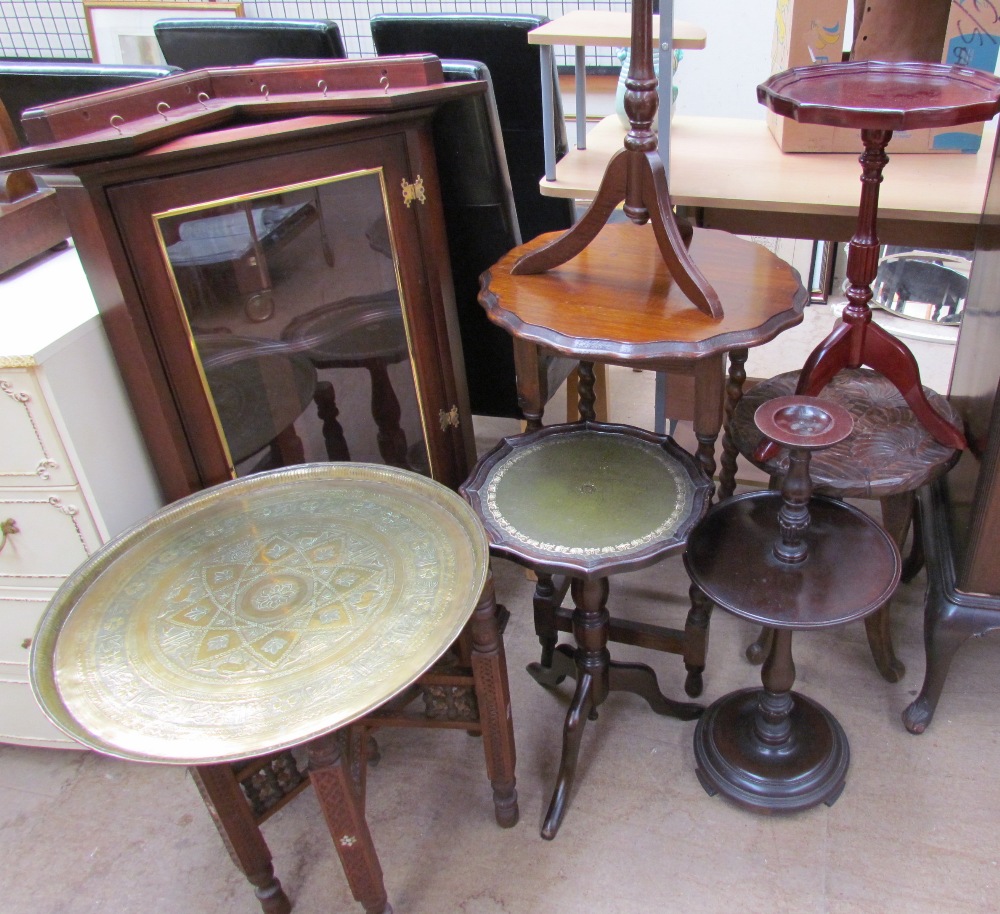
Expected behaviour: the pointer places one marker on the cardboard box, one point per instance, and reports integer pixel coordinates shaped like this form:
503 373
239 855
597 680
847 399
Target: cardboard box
806 30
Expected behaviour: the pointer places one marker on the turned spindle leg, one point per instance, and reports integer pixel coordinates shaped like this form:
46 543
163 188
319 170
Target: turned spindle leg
489 666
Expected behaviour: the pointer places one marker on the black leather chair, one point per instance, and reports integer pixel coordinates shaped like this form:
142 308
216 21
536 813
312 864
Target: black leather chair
501 43
31 84
482 226
194 43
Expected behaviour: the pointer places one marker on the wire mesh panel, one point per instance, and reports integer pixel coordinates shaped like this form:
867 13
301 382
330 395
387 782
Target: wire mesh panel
57 28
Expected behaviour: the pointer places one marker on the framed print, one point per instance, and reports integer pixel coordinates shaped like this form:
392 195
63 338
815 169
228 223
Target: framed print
121 31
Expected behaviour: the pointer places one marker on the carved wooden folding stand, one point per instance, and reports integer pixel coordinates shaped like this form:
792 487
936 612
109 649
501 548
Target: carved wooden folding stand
221 389
656 296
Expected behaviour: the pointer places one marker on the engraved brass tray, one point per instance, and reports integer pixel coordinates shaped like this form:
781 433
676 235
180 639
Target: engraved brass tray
259 614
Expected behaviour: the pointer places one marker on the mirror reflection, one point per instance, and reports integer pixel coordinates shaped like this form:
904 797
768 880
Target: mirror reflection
923 285
294 306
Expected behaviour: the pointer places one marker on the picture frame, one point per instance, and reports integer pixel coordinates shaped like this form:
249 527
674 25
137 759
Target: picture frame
121 31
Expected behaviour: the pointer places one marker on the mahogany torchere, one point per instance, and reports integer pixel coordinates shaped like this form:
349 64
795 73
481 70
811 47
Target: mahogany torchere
173 189
877 98
789 561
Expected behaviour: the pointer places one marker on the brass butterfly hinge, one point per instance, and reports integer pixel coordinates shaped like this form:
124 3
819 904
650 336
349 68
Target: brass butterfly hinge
414 191
449 418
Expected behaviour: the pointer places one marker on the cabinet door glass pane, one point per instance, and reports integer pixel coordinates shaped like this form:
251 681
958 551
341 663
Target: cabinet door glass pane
294 307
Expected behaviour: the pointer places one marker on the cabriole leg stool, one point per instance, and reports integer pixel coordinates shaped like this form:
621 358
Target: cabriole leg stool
590 500
789 561
889 455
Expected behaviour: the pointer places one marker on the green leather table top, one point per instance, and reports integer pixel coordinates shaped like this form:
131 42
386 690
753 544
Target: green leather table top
589 494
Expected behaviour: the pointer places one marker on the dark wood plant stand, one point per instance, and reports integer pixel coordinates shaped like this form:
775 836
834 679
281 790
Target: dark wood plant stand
788 561
589 500
877 98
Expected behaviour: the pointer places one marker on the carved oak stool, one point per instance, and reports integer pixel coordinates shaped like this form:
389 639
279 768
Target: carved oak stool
789 561
589 500
275 611
889 455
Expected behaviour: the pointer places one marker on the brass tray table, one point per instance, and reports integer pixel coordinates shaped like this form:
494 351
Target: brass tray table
265 613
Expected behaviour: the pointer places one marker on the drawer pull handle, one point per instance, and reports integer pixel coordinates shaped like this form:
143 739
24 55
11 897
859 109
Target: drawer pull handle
7 528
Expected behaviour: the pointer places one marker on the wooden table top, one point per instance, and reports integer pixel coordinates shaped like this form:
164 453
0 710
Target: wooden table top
734 168
615 301
604 29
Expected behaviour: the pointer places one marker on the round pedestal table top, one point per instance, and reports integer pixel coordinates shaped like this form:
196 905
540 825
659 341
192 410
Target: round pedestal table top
587 497
882 95
259 614
616 301
852 566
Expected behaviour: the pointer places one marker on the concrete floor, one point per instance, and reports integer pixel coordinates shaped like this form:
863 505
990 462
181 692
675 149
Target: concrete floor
916 829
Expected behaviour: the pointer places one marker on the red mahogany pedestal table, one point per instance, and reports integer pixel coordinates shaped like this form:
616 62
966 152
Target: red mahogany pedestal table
877 98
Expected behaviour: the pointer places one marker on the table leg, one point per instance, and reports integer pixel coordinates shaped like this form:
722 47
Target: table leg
530 395
235 821
489 670
548 111
709 387
734 392
325 398
340 800
696 640
590 628
897 511
581 96
387 413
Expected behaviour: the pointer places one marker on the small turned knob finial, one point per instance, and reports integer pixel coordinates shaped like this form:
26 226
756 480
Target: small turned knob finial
802 424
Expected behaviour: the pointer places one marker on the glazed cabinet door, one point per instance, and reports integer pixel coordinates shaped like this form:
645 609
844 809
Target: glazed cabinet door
300 311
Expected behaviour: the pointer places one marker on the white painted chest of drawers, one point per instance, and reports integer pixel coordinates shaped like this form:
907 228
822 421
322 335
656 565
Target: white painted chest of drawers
74 471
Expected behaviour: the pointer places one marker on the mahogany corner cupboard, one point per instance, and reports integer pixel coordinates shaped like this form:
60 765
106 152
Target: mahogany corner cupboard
266 246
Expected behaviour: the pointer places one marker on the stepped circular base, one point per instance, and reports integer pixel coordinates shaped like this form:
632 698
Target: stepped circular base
810 768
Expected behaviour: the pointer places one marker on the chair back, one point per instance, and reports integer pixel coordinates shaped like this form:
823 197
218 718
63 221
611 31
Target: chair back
482 225
501 43
31 84
194 43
